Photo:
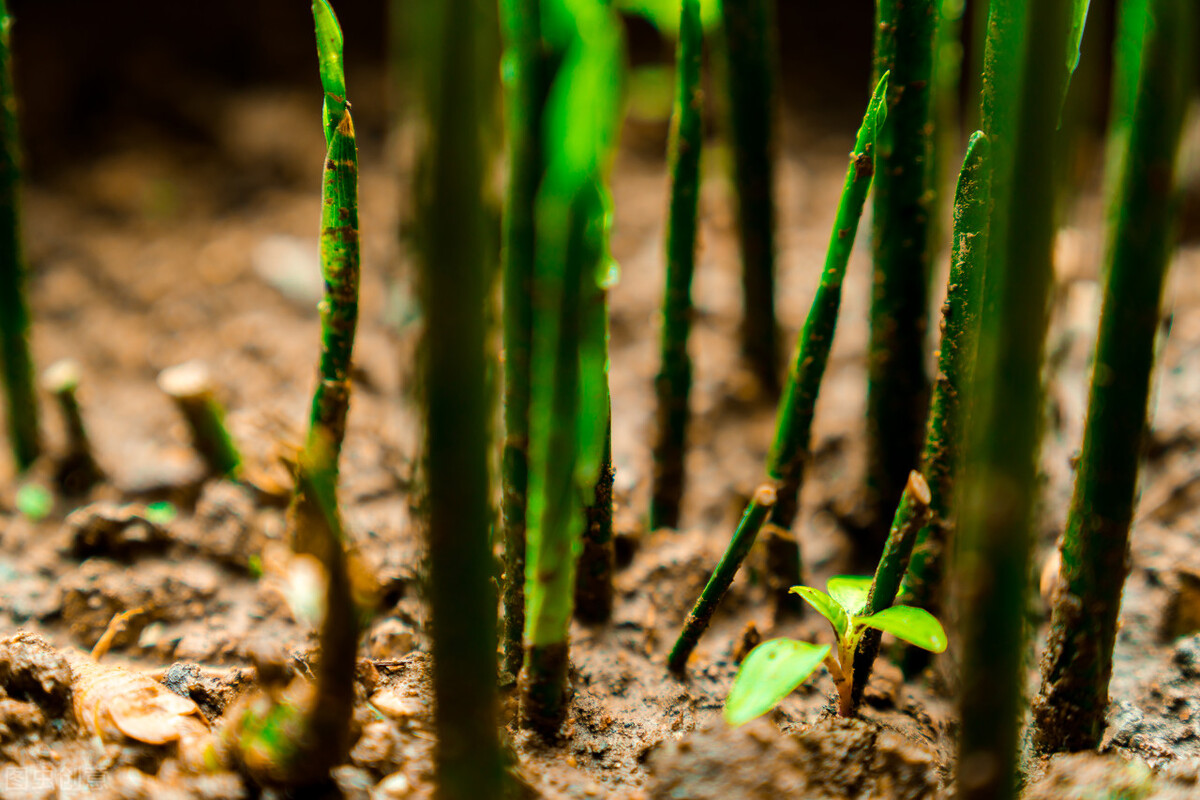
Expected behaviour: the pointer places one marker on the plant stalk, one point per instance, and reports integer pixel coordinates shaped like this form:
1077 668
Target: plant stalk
940 459
460 50
897 386
700 616
525 92
751 48
793 424
15 358
674 381
911 517
594 575
190 386
1076 668
1026 73
77 470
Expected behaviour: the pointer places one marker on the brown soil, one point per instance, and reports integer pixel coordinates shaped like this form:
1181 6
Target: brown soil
153 254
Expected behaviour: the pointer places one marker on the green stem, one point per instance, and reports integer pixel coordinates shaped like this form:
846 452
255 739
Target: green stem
459 46
674 380
594 576
191 388
898 389
911 516
1026 66
525 92
15 358
793 426
751 46
956 356
794 419
77 470
1077 666
719 582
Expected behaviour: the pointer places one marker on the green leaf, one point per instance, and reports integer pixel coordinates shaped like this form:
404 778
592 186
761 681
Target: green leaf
914 625
826 607
850 591
770 673
329 56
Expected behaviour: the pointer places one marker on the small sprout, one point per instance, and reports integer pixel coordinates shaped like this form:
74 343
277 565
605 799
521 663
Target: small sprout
190 386
34 501
77 470
775 668
161 513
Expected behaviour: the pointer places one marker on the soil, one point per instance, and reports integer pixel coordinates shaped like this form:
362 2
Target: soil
154 252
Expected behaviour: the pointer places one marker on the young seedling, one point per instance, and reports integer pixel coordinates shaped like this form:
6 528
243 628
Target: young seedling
569 390
1069 710
898 388
941 457
776 667
190 386
674 381
457 51
750 42
15 359
77 470
1026 70
794 420
526 85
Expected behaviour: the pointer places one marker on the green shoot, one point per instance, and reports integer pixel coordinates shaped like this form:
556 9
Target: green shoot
76 470
793 425
898 388
15 359
569 389
775 668
1069 709
750 42
190 386
525 85
458 53
34 501
674 381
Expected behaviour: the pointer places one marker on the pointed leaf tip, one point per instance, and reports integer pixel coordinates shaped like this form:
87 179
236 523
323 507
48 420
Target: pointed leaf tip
770 673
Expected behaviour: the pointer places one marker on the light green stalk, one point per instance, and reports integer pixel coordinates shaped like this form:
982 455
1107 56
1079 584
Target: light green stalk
525 82
15 359
569 391
911 516
674 381
956 358
1026 70
794 421
190 387
340 270
750 41
898 388
1077 666
459 48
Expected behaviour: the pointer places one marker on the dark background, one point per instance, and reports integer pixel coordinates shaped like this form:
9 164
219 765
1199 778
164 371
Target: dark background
93 74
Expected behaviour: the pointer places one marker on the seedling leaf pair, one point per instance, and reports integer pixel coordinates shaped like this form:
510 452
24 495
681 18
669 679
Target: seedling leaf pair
775 668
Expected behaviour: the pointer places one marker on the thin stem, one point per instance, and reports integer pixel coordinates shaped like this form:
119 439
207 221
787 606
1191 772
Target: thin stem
898 388
674 380
1026 71
1077 666
722 577
459 46
190 386
16 361
911 516
77 470
594 576
794 418
751 46
922 585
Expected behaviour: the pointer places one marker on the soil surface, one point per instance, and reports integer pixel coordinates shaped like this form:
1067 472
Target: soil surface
155 253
